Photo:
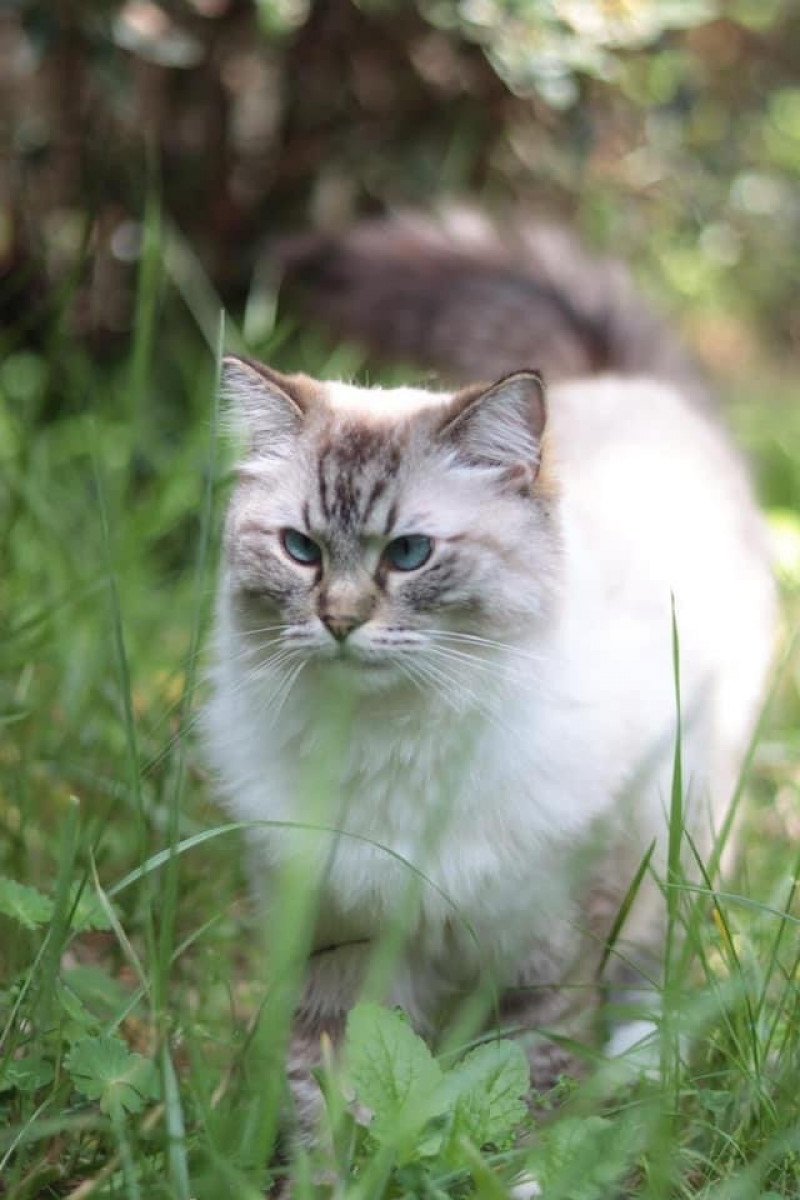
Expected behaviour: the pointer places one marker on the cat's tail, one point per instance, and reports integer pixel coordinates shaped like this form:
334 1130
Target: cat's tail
476 301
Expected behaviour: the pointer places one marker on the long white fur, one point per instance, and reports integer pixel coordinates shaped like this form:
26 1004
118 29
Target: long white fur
491 790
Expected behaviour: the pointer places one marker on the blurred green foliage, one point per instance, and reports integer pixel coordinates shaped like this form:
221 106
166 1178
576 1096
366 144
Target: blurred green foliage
667 130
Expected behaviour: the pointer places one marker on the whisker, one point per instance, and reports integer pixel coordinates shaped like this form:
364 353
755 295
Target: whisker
258 630
282 693
448 687
438 676
478 641
275 663
492 668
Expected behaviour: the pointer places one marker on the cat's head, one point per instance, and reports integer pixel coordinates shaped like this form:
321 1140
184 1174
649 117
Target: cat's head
387 529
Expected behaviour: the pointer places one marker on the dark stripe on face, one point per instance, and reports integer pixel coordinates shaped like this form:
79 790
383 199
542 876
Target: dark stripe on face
391 517
354 470
378 488
346 495
322 482
338 487
434 586
260 592
381 578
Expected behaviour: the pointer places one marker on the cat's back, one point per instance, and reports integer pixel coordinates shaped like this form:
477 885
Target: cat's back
637 459
658 513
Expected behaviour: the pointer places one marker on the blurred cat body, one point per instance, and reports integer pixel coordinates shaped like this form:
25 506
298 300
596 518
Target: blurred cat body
509 704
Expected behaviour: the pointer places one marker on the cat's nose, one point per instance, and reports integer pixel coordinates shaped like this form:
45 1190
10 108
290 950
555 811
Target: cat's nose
340 625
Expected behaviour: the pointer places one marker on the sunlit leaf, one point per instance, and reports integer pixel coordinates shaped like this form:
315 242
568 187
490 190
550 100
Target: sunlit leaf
392 1070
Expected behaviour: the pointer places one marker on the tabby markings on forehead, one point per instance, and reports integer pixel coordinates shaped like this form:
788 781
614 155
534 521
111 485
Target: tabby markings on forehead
378 488
391 517
340 465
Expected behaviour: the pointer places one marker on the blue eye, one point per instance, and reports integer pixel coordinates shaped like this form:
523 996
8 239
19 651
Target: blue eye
301 548
409 553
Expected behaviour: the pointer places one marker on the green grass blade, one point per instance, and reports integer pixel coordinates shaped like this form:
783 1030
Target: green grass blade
145 319
624 909
62 907
120 649
177 1160
170 891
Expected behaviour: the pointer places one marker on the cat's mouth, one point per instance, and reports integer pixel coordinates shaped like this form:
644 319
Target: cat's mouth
356 663
362 658
359 661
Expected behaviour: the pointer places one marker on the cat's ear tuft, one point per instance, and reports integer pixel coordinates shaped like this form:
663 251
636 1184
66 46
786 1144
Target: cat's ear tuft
265 407
500 426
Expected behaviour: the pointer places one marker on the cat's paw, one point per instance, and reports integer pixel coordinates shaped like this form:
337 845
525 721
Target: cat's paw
524 1187
636 1044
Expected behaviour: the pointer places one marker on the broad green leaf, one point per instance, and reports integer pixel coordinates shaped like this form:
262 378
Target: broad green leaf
585 1157
392 1070
569 1137
104 1069
26 1074
24 904
486 1092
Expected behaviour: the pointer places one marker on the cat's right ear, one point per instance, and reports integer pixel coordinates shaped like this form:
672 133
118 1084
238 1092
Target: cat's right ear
264 407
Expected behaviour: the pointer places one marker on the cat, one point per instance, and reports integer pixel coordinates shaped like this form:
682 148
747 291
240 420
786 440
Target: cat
456 606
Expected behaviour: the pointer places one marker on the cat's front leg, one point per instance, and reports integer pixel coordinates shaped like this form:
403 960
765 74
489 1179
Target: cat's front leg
304 1056
306 1053
334 979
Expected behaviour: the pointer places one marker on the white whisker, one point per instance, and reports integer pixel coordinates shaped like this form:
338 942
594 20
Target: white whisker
449 686
494 668
452 635
281 695
443 682
246 633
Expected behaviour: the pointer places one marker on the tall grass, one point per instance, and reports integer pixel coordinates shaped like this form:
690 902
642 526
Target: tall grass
139 936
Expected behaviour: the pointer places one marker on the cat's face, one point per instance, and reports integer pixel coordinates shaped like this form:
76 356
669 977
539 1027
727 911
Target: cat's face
392 533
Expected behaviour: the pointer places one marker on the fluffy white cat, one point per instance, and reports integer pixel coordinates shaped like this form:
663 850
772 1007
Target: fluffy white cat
468 595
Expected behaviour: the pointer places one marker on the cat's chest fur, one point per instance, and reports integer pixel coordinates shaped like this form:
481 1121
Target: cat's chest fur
463 816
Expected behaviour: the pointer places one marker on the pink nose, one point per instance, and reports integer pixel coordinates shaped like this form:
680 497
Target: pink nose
340 626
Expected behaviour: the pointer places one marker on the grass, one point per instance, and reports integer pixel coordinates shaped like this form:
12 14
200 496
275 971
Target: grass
141 1033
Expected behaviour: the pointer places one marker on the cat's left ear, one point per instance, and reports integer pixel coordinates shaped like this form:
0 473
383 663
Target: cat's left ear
500 426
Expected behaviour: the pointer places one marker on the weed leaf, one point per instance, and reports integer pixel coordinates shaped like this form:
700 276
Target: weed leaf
104 1069
392 1070
24 904
486 1093
26 1074
588 1156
